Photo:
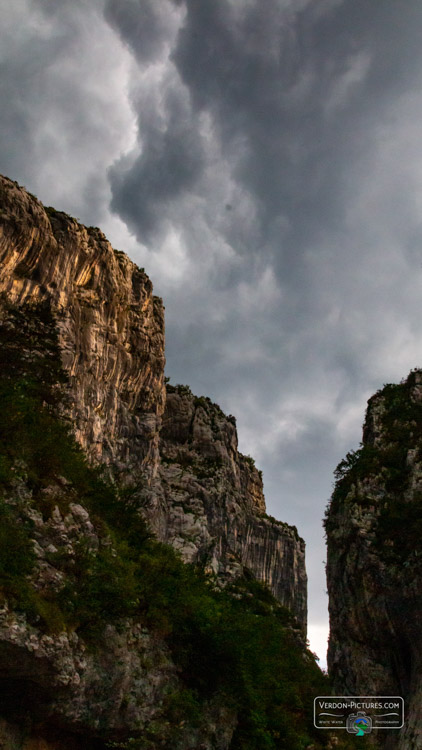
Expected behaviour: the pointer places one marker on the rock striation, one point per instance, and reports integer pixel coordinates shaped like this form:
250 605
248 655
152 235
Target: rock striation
374 567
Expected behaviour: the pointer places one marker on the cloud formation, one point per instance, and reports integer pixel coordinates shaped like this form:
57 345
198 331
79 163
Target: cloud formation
261 159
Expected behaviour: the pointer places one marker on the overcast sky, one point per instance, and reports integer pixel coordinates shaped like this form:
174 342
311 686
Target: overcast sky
262 159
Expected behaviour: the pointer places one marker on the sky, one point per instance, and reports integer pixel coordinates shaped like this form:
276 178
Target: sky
262 159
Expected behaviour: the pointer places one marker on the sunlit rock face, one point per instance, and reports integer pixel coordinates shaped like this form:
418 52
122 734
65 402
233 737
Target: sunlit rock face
111 326
374 560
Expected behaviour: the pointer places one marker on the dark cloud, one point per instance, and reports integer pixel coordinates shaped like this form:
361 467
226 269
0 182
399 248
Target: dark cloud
295 99
169 165
304 93
142 24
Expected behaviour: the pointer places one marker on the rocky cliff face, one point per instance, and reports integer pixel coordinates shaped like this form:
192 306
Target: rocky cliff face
212 503
176 454
374 567
65 690
111 326
111 330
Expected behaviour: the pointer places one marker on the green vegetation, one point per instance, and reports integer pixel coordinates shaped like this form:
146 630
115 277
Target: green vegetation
209 406
182 390
249 460
401 421
282 525
53 213
251 463
238 643
357 465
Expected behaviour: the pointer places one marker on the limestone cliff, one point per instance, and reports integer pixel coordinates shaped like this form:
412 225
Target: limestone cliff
212 503
176 457
374 560
111 326
111 330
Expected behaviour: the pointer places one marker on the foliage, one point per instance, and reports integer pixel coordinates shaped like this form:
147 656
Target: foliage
16 554
53 213
182 390
251 463
283 525
29 354
249 460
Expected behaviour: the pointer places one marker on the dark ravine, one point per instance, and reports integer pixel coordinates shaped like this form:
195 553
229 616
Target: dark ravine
177 457
374 571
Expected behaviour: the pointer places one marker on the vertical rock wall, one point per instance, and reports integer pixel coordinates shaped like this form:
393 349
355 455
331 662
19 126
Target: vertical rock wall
213 507
374 572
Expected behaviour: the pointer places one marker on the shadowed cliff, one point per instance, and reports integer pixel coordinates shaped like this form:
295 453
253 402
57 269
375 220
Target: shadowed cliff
374 571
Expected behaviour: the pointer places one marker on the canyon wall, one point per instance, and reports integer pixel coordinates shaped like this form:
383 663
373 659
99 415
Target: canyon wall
214 506
177 456
374 570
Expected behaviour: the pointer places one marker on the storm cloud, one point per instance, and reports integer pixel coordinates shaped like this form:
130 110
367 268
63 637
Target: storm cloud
262 160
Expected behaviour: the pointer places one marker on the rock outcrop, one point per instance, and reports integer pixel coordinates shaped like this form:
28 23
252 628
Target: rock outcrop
56 683
374 568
